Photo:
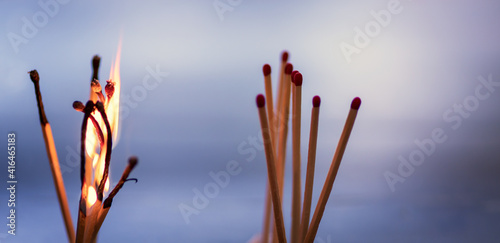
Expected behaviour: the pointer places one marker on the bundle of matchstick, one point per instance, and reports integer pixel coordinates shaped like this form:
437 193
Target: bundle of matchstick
274 126
92 209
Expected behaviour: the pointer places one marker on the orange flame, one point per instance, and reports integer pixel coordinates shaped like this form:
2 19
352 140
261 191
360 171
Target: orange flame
95 154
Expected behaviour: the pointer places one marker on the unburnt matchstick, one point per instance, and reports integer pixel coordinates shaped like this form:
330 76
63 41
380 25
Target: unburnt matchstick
271 169
332 173
53 159
296 190
311 161
302 230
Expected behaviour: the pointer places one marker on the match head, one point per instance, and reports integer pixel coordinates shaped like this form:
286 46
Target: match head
266 69
34 76
316 101
109 88
78 106
284 56
356 102
260 100
297 79
288 68
95 85
132 161
95 61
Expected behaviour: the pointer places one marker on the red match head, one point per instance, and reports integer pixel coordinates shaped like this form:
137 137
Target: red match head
356 102
297 79
266 69
284 56
288 68
316 101
260 100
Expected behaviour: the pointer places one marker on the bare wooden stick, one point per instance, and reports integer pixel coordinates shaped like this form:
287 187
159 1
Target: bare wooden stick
53 159
332 173
271 169
311 161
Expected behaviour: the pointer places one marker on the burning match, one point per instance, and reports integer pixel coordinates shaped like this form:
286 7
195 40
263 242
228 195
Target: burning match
97 140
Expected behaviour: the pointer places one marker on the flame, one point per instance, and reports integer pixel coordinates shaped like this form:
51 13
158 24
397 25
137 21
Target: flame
113 108
95 153
91 196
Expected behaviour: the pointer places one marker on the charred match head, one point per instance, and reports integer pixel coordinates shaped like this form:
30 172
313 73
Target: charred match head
95 66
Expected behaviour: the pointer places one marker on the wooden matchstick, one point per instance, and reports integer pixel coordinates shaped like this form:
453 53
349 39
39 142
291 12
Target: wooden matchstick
332 173
296 190
82 211
96 60
96 208
271 169
53 159
279 101
266 69
283 127
132 162
311 161
109 146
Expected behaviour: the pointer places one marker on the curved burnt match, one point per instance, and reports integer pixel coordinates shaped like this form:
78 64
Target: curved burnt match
132 162
78 106
109 146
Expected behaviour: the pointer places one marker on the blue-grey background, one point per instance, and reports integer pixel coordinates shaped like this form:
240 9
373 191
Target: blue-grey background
416 68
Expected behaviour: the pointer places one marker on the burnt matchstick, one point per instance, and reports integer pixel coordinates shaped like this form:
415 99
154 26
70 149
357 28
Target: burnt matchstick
78 106
132 162
311 161
53 159
96 60
96 207
271 169
110 90
82 211
109 146
332 173
296 190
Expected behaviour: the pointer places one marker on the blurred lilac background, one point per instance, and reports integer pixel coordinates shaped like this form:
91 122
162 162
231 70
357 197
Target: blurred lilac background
190 72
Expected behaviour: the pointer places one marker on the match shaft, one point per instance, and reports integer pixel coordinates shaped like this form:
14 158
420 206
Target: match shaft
296 180
53 159
271 170
311 161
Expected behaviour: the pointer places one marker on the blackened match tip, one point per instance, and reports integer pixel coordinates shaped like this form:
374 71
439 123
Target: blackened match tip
35 78
77 105
316 101
96 60
260 100
132 161
266 69
356 103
